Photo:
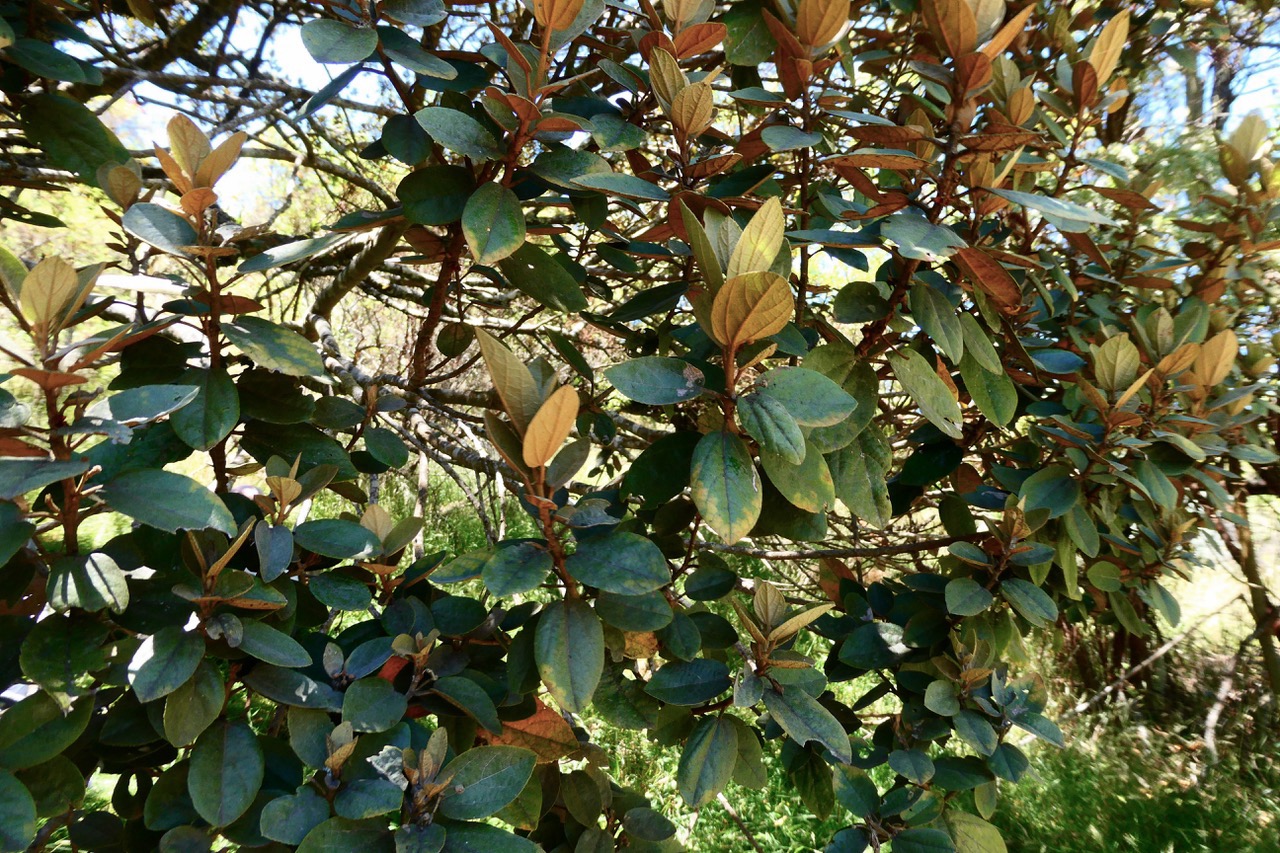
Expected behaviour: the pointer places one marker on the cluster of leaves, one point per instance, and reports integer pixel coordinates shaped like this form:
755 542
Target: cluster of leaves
1021 369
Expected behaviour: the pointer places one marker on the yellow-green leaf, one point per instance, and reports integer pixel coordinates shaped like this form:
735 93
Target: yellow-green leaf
511 378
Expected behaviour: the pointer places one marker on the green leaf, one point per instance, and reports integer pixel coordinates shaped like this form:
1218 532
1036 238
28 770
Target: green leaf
340 592
337 538
298 250
419 13
373 705
402 49
725 485
19 476
1055 488
706 764
160 227
88 581
919 239
931 394
275 647
386 447
168 501
967 597
490 777
343 834
37 728
1125 612
873 645
812 398
44 60
164 662
17 814
538 275
656 380
614 133
940 698
974 729
994 393
913 764
471 699
569 650
620 183
459 132
437 194
747 40
60 650
766 419
214 412
620 562
1065 215
647 824
855 791
70 135
227 768
937 316
194 706
689 682
272 346
493 223
859 471
923 841
808 485
1040 726
56 786
804 720
337 43
1105 576
517 568
140 405
1031 601
785 137
972 834
482 838
368 798
288 819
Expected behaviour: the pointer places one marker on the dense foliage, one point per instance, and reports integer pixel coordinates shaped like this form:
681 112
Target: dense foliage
864 278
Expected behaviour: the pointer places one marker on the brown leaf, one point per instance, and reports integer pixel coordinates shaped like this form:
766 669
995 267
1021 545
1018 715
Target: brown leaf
988 275
546 734
698 39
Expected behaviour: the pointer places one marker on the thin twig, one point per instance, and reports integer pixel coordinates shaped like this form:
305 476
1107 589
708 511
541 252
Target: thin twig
751 839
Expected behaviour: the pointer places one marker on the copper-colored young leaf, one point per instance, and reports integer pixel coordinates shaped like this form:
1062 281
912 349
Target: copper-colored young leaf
692 108
47 290
556 14
189 144
1104 55
760 242
990 276
953 25
749 307
1005 35
820 21
665 76
550 427
220 159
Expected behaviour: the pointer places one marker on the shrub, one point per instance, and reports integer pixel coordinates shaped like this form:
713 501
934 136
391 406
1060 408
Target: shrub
867 284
